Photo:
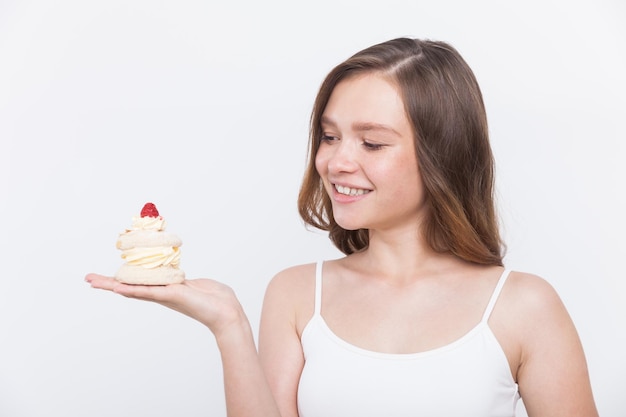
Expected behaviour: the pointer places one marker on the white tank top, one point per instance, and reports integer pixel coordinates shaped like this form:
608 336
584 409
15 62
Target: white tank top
466 378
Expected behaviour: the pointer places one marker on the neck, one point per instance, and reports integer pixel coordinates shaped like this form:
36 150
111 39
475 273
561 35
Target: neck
401 256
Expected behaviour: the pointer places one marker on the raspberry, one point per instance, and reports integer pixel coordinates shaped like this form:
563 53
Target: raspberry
149 210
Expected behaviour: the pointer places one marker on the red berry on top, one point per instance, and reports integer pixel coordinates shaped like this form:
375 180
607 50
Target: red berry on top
149 210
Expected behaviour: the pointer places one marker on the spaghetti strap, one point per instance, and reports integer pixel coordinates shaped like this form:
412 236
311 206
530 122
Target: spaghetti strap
318 287
494 296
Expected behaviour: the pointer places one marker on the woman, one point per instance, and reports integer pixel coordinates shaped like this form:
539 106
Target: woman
420 317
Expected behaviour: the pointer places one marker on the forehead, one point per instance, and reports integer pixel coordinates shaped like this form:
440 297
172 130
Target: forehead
366 98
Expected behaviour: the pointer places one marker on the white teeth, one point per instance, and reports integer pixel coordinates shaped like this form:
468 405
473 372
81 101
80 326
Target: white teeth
350 191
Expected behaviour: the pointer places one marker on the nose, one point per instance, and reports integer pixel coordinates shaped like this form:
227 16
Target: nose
342 157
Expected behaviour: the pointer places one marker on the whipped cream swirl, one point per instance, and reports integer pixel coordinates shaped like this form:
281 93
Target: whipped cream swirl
152 257
148 223
145 254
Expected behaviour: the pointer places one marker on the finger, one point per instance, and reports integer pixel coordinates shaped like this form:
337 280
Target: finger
101 281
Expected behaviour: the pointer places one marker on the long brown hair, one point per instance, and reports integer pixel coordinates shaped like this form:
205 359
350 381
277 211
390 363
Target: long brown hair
445 107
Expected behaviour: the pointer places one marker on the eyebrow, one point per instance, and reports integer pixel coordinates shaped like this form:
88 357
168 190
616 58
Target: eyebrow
363 126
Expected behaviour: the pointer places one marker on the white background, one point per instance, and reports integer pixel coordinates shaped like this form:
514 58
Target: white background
202 107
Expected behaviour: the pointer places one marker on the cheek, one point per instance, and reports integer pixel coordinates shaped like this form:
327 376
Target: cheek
321 163
407 179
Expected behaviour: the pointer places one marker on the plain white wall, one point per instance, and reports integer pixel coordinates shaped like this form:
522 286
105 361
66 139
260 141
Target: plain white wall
202 107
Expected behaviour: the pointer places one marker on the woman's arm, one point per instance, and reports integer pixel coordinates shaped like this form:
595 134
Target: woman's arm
553 377
287 307
216 306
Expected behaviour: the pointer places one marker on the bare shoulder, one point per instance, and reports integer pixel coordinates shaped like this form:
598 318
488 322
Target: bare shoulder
292 291
526 309
529 300
292 280
530 306
530 292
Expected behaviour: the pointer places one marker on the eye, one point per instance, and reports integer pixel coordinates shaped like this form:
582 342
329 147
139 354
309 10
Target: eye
372 146
328 138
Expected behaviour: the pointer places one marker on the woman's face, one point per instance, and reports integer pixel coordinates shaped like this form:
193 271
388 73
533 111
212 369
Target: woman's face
366 157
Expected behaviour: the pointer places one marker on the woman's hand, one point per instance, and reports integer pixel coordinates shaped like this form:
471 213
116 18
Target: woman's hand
216 306
207 301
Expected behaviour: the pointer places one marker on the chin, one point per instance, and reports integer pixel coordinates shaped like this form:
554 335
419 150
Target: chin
346 224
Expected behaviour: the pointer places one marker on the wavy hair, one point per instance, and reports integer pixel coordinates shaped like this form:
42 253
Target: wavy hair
445 107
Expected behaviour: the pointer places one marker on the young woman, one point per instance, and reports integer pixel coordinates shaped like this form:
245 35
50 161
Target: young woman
420 317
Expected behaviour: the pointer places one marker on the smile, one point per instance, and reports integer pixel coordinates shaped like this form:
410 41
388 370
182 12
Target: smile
350 191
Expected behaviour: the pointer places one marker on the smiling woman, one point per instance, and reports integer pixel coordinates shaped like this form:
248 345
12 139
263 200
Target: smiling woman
367 145
434 89
421 308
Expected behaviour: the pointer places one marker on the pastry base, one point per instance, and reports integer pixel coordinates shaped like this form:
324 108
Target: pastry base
138 275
